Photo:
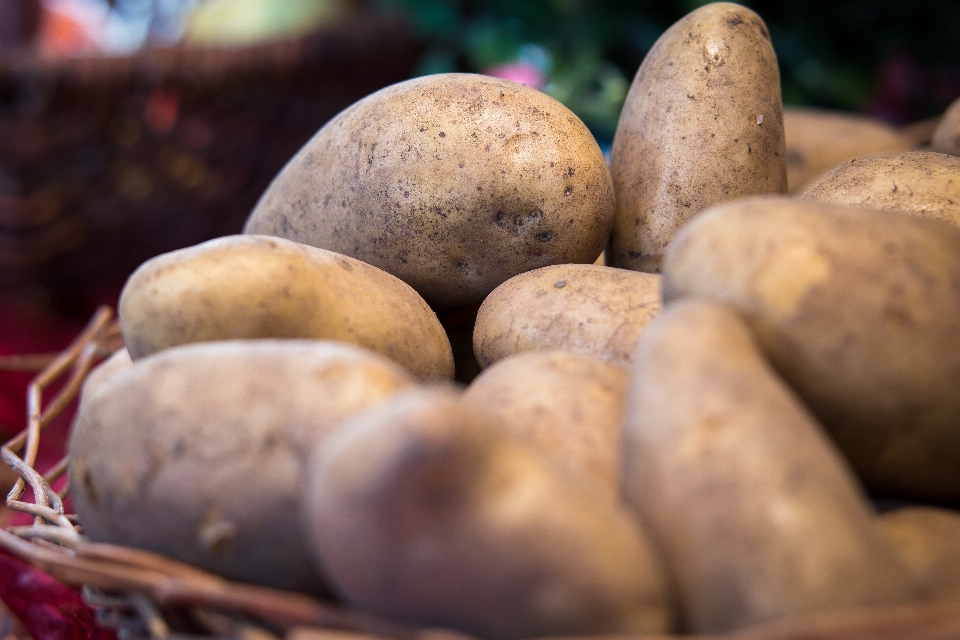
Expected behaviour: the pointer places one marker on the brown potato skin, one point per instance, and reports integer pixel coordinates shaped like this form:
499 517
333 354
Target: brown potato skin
758 516
197 452
569 406
452 182
859 311
248 286
820 139
927 539
423 510
923 183
590 309
689 137
946 137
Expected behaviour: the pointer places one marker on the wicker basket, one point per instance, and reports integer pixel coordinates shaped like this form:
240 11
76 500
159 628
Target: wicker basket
149 596
105 162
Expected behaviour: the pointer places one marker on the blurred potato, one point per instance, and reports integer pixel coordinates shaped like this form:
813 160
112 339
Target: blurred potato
928 541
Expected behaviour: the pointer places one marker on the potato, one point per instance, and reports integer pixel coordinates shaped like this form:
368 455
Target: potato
118 361
569 406
819 140
919 182
267 287
422 509
590 309
946 137
451 182
859 311
928 542
758 516
702 124
197 452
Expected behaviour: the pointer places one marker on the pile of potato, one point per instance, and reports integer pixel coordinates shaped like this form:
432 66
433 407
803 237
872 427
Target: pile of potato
687 441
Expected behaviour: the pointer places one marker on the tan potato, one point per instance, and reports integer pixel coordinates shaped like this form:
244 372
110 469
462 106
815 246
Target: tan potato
422 509
590 309
702 124
118 361
569 406
758 516
946 137
919 182
920 133
928 541
266 287
859 310
819 140
452 182
197 452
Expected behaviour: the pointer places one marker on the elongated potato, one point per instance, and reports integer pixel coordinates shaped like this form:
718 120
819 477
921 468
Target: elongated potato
197 452
589 309
928 541
569 406
919 182
859 310
819 140
946 137
702 124
424 510
452 182
758 515
266 287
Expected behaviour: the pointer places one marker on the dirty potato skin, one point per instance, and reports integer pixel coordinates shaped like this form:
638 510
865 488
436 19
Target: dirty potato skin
927 539
197 452
923 183
422 509
451 182
859 311
567 405
946 137
758 515
702 124
249 286
589 309
819 140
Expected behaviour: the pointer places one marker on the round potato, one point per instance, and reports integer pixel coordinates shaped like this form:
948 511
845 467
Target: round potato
422 509
928 541
266 287
589 309
702 124
859 310
757 514
946 137
452 182
118 361
819 140
569 406
197 452
919 182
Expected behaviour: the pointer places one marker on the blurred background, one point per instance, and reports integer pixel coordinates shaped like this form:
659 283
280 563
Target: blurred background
133 127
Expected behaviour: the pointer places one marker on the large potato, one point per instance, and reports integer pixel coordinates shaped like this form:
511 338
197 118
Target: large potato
422 509
946 137
702 124
928 541
590 309
569 406
757 514
819 140
267 287
859 310
451 182
197 451
919 182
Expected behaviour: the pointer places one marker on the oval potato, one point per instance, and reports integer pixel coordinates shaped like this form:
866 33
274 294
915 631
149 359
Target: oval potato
928 541
702 124
590 309
919 182
250 286
757 514
197 452
452 182
859 311
946 137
